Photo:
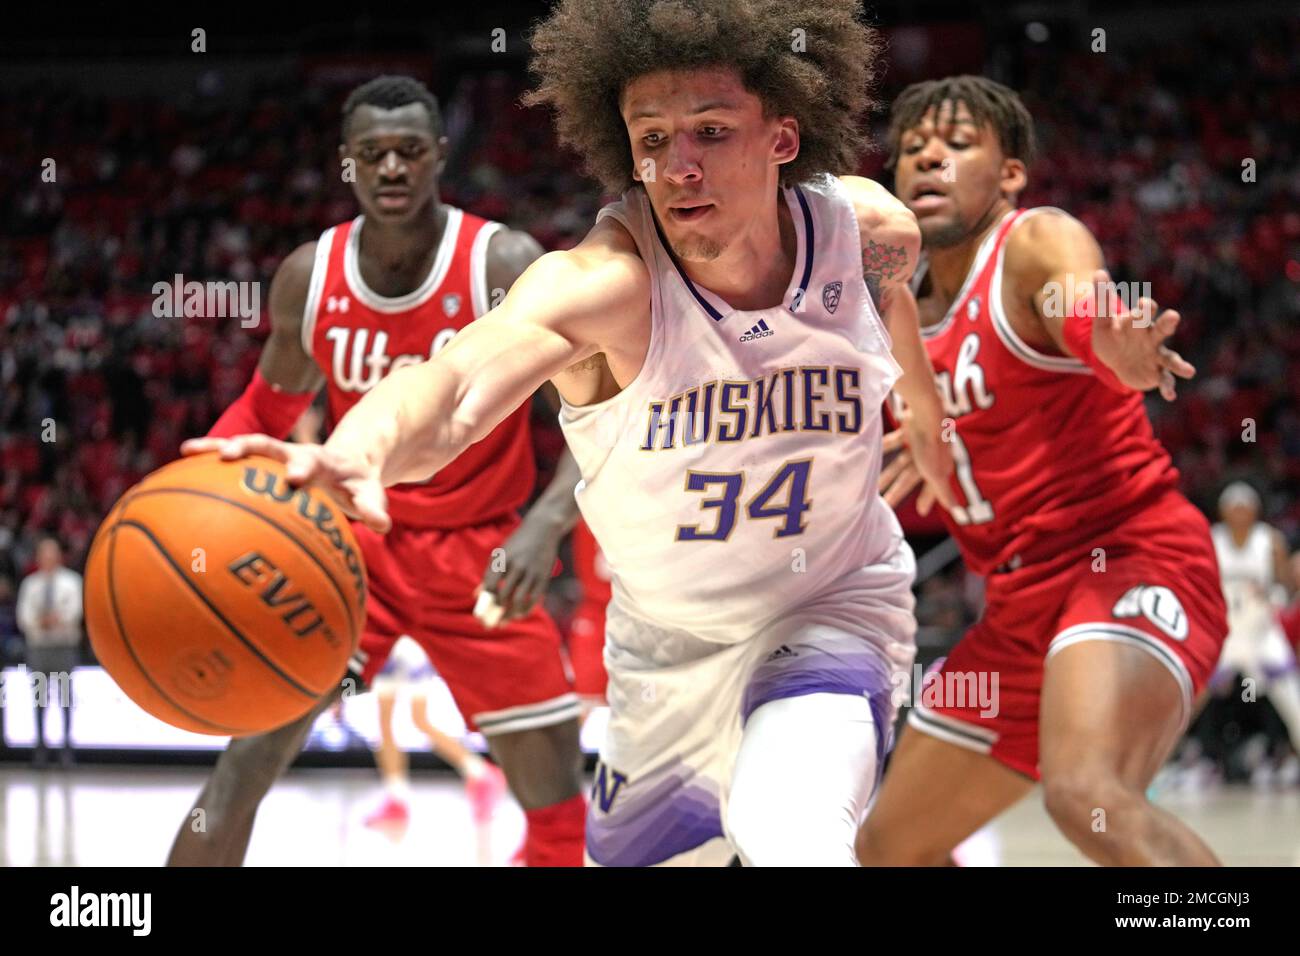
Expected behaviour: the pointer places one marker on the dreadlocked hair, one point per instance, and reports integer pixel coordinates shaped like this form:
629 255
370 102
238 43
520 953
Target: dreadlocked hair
991 104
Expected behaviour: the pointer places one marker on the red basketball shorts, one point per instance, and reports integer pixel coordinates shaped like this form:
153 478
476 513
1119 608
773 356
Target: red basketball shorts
1151 583
587 650
422 584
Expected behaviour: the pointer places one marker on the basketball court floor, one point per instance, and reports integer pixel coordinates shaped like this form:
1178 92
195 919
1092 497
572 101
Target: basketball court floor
127 817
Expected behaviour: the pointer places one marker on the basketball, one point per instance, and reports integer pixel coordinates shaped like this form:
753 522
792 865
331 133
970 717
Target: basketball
222 600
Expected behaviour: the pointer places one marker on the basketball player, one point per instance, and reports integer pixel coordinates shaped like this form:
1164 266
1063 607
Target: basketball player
1256 581
720 360
372 297
1103 614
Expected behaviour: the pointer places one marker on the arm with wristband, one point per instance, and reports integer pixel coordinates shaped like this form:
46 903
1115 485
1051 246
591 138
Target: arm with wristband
1055 266
286 379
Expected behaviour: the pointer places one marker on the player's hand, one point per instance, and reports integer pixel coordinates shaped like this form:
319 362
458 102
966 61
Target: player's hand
525 567
1131 341
923 459
351 481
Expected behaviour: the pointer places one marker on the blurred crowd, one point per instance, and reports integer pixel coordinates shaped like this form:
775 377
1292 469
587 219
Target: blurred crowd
1181 158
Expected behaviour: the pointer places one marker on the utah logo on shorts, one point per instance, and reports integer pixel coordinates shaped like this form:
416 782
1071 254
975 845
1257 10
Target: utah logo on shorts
1158 605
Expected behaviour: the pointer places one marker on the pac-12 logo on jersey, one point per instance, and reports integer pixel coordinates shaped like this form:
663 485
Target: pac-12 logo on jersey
358 369
1158 605
831 295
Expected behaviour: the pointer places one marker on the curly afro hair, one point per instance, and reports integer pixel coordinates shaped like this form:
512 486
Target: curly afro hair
814 60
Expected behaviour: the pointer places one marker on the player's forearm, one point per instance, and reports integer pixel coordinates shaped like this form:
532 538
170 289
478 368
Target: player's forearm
406 425
556 506
420 417
916 386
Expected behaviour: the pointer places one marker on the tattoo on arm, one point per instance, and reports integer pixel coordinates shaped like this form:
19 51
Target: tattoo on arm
881 264
588 364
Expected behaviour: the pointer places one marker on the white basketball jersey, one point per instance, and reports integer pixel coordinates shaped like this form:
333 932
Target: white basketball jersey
734 479
1247 572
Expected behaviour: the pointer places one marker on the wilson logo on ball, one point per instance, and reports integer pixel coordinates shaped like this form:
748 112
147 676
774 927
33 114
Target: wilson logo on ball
264 483
278 593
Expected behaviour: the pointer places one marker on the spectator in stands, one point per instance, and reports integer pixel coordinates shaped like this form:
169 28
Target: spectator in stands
49 616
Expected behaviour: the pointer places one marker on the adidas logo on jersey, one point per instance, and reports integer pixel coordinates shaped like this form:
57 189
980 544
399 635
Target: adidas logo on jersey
757 332
781 652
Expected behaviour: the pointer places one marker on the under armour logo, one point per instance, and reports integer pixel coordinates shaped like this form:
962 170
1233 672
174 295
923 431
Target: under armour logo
337 303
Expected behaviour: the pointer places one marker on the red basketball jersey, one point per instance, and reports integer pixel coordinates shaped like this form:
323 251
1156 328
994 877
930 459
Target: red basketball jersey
1046 455
357 336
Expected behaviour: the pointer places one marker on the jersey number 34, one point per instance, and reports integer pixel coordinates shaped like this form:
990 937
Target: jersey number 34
784 497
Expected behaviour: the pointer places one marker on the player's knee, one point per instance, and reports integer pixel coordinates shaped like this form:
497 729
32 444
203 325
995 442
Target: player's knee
542 765
877 844
1085 803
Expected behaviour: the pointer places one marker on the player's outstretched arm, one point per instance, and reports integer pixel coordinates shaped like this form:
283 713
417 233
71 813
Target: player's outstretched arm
891 245
1055 263
566 307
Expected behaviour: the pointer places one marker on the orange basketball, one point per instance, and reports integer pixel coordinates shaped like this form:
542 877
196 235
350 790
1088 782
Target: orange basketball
221 599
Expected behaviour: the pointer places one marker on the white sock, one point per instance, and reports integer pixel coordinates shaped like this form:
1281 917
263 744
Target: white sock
473 767
398 786
803 776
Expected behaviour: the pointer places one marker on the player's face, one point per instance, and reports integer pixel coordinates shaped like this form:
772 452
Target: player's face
705 153
1240 515
397 161
951 171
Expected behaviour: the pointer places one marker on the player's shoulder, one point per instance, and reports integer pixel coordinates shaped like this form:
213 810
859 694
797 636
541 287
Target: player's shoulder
608 252
1043 242
290 285
865 192
881 216
1041 231
873 203
296 268
509 253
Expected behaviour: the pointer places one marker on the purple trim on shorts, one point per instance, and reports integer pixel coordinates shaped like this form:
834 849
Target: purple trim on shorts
1274 671
807 668
677 812
1226 677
